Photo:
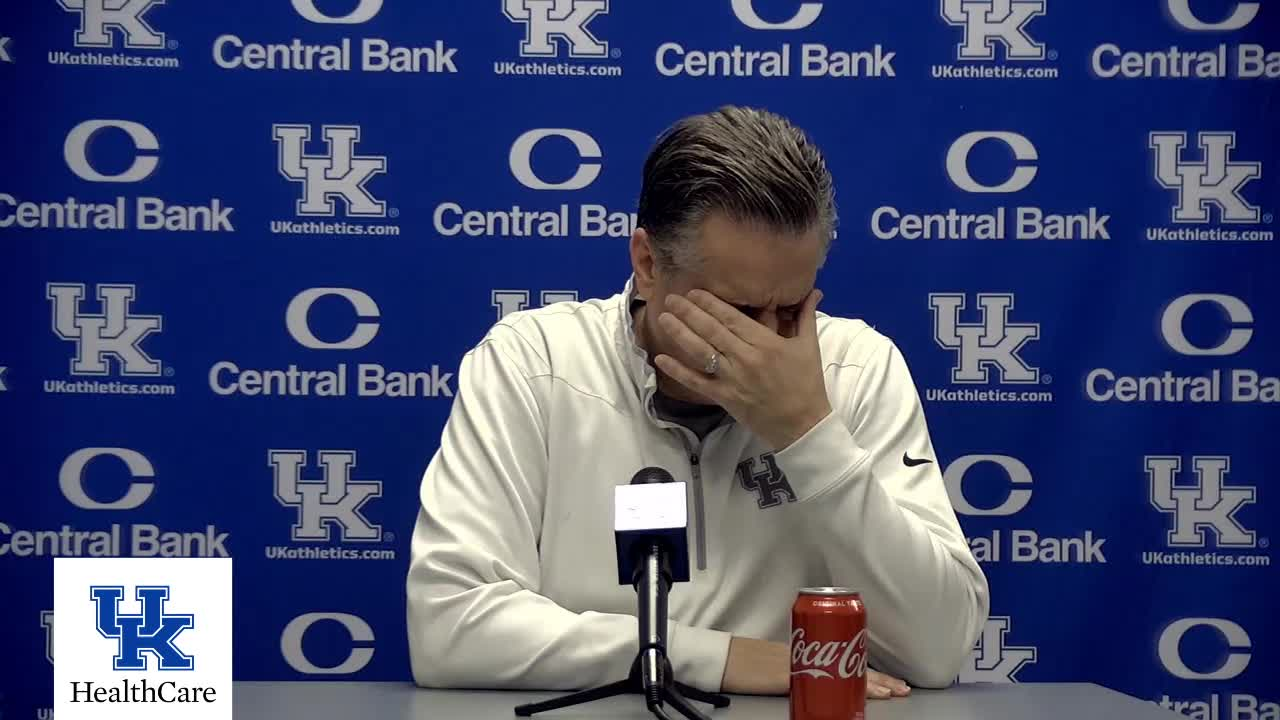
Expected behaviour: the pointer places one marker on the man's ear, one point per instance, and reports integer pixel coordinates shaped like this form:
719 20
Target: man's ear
643 264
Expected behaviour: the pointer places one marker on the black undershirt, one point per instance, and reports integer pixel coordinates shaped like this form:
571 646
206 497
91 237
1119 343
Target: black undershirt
700 419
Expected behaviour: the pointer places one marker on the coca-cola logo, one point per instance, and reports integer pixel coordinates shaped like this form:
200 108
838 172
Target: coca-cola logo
818 659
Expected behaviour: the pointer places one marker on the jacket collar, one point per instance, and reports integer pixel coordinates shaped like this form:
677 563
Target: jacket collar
644 379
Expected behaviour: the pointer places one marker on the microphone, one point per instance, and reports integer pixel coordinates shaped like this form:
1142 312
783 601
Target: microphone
650 524
652 507
650 528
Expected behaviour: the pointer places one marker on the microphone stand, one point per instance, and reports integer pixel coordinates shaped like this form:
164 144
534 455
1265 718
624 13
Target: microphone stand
651 673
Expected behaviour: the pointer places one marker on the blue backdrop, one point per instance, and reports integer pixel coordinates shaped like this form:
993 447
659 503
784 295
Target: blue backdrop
247 244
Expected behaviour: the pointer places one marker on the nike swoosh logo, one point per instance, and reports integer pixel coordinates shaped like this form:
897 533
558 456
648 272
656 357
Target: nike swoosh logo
912 462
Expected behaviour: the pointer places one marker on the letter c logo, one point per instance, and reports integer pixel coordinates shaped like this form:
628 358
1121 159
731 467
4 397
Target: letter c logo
76 151
361 335
363 12
1023 151
1240 315
71 478
1018 474
1233 665
357 628
522 152
805 16
1243 14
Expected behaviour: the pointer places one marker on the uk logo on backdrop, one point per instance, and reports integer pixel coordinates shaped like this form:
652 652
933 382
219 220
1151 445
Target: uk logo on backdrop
5 52
506 302
994 164
110 341
975 481
997 39
1206 179
116 33
771 53
988 354
1201 501
1201 331
331 181
330 510
142 638
994 659
365 53
551 161
1207 21
560 38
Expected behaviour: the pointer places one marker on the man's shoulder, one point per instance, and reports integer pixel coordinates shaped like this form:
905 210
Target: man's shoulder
541 339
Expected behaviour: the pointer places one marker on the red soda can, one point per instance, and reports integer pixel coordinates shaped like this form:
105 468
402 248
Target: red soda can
828 655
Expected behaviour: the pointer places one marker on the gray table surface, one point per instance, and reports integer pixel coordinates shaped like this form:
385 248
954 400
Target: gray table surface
403 701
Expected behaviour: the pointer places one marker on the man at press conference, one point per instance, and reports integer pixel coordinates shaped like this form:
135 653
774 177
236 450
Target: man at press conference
801 437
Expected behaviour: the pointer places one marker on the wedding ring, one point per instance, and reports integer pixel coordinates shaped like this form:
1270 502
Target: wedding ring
713 364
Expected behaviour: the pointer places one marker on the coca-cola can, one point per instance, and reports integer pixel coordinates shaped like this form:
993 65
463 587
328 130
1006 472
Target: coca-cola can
828 655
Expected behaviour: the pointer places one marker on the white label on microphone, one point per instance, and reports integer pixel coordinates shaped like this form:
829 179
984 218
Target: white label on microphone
655 506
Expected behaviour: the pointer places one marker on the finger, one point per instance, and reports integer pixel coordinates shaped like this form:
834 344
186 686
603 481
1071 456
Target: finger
809 315
878 692
708 326
695 350
695 381
748 330
898 687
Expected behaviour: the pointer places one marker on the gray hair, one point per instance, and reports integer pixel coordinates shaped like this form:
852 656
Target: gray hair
752 165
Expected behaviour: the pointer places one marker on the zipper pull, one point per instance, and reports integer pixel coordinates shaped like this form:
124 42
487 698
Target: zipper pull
693 460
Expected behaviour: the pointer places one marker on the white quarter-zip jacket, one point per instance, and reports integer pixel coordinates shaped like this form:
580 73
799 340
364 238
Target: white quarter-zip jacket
513 576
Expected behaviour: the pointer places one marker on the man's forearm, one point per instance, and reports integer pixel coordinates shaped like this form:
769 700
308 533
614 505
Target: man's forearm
925 596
